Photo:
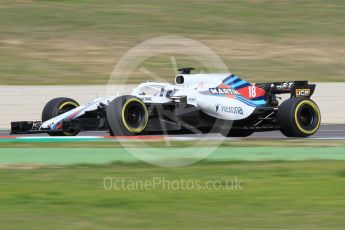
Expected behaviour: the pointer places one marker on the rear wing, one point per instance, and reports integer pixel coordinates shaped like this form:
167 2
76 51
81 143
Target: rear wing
295 88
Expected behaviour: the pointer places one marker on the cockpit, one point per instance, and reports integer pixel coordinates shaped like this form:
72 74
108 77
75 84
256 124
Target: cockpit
156 90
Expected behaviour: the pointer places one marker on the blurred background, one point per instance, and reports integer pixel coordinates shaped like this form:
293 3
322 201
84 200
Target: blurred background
57 42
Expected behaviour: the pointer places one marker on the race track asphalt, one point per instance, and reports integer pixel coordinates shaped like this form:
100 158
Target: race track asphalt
326 132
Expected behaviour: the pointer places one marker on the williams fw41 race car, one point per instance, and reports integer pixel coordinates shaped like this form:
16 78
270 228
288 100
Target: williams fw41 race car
196 103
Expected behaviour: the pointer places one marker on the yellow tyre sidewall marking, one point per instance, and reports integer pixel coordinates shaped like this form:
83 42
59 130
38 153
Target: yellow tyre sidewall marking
68 103
64 105
131 129
316 109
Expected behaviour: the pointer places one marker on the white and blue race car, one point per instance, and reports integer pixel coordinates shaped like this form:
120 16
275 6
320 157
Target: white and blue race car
196 103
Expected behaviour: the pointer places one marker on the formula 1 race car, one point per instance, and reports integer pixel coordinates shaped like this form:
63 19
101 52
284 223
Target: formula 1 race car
196 103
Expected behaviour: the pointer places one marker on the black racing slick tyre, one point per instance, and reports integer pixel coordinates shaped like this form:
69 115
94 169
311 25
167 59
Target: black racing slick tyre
299 117
127 116
58 106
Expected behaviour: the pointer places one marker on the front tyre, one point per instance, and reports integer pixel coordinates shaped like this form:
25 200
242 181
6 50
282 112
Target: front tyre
127 116
299 117
58 106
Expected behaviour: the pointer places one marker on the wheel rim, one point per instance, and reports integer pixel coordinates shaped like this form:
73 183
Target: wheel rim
134 116
307 117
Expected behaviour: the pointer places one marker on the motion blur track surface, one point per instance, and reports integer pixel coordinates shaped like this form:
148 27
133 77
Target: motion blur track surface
326 132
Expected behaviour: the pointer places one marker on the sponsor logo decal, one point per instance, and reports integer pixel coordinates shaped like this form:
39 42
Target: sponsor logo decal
285 85
302 92
191 99
146 99
229 109
224 91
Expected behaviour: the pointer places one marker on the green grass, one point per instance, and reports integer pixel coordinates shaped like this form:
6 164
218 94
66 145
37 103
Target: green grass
79 42
173 156
113 143
284 195
166 156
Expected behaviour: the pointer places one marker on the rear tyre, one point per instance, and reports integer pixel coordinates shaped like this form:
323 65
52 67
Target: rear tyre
58 106
299 117
127 116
